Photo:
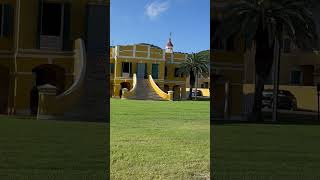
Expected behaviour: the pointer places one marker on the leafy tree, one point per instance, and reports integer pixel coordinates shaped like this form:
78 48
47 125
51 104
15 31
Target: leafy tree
194 66
262 24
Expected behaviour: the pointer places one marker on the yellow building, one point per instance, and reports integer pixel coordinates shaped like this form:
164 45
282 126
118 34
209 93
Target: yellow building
227 70
45 42
144 60
233 72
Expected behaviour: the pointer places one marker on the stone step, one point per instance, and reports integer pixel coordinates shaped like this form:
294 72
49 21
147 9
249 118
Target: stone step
144 91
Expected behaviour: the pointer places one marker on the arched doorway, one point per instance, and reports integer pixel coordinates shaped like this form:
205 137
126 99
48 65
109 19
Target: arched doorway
46 74
124 85
4 89
176 92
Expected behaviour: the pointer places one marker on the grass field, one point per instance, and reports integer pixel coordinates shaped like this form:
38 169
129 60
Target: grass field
159 140
266 152
52 150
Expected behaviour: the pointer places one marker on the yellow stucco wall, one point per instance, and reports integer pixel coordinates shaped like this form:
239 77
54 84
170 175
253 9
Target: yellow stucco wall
30 57
306 95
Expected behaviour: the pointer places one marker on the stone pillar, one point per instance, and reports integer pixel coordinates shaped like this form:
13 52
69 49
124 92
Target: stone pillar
124 93
43 109
170 95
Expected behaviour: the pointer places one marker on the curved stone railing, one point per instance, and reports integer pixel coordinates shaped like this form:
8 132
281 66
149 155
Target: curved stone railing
162 94
52 106
132 92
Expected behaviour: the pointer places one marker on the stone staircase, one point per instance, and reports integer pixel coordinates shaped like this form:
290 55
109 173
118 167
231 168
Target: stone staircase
144 91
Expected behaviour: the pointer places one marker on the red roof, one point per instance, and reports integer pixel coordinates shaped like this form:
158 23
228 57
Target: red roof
169 44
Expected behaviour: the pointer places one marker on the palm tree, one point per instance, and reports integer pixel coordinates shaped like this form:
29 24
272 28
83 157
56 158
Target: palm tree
264 23
194 66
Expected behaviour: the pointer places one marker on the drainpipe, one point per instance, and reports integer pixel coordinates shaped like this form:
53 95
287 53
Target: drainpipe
16 51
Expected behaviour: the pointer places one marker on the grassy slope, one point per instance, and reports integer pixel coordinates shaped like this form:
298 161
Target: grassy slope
265 152
159 140
51 150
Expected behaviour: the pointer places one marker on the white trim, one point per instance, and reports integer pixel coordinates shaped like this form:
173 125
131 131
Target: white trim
142 58
149 51
123 79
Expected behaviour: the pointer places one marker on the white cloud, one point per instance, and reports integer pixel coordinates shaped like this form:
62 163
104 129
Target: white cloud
155 8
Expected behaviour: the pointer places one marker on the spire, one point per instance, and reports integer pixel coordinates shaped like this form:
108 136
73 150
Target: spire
169 46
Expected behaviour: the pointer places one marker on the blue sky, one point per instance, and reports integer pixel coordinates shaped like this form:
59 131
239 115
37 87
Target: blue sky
151 21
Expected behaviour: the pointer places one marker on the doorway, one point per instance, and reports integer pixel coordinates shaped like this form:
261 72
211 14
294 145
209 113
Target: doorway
46 74
141 70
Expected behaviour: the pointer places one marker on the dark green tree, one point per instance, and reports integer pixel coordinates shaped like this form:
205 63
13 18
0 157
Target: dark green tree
194 66
262 24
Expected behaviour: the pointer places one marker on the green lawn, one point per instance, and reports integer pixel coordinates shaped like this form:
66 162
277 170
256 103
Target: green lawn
266 152
52 150
160 140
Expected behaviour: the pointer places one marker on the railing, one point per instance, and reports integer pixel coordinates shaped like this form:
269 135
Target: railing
50 42
162 94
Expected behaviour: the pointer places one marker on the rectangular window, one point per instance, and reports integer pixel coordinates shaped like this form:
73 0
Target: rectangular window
6 20
111 67
1 19
155 71
126 67
296 77
176 74
165 71
51 19
54 25
206 85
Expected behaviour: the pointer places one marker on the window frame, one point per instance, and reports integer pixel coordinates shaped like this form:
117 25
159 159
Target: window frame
2 20
301 77
61 18
112 68
153 73
176 72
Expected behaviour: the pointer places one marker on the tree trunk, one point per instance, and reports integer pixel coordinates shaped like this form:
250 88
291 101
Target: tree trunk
257 105
276 84
192 82
263 65
196 86
277 75
190 92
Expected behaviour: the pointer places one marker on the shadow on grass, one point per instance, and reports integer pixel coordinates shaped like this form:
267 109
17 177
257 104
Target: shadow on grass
283 119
